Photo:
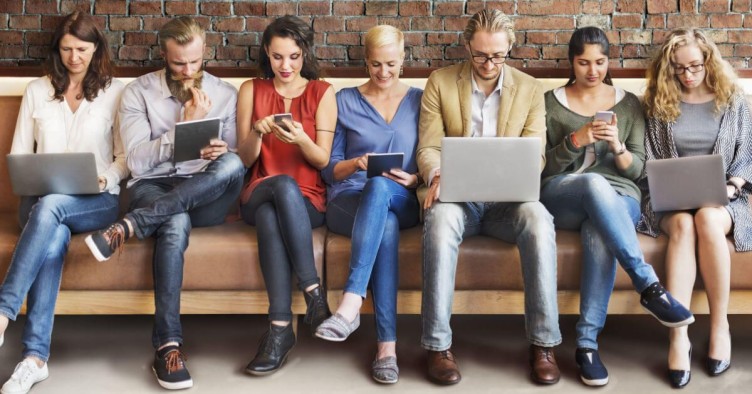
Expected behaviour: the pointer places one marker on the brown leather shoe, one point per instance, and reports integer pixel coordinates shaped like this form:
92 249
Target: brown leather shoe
442 368
543 362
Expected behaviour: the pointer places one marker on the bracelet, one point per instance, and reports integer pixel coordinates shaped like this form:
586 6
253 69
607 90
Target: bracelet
573 140
621 151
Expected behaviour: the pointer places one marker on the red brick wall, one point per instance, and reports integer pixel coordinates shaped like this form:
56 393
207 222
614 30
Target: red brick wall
433 28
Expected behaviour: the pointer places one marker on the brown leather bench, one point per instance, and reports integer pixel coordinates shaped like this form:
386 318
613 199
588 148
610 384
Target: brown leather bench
222 273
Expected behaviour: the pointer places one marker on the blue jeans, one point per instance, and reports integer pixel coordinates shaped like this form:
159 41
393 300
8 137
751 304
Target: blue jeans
606 220
283 219
167 208
528 225
374 217
37 263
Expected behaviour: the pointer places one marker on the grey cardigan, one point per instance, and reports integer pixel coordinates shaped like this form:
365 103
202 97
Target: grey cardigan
734 144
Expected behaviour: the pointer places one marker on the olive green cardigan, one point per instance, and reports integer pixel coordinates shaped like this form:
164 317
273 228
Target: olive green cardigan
563 158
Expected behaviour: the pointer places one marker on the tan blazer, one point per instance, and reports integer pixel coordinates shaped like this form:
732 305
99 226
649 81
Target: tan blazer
446 112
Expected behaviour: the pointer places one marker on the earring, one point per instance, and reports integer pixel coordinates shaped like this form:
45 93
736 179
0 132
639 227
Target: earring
368 72
402 70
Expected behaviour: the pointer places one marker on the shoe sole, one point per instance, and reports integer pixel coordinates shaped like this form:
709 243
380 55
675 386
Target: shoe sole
545 382
682 323
24 392
186 384
330 339
444 382
264 373
594 382
94 249
385 381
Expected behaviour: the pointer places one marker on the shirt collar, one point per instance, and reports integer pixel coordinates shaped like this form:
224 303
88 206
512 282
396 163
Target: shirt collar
498 83
163 83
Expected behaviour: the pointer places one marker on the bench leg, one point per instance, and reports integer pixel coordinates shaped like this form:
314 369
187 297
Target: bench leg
294 323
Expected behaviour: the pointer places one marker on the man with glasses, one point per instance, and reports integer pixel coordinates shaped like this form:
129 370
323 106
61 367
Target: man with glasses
483 97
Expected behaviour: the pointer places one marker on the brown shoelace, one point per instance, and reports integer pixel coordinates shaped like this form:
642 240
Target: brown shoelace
115 237
174 360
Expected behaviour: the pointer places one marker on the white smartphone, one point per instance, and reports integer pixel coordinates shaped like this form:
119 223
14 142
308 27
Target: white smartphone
604 116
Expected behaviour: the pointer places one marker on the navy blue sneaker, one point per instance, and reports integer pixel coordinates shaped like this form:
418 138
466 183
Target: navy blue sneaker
659 303
169 367
592 370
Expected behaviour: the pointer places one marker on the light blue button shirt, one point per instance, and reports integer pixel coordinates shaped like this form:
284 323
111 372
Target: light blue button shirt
148 113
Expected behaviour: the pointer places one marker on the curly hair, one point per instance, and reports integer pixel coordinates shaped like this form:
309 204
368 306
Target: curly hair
289 26
663 92
100 71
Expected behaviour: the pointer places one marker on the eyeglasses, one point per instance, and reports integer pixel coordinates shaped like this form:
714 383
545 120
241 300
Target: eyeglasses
481 59
694 69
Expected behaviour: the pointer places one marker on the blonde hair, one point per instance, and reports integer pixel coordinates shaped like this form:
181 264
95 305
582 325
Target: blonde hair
663 92
182 30
491 21
383 35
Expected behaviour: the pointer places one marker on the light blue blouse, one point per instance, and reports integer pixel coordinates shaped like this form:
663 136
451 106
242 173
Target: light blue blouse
361 129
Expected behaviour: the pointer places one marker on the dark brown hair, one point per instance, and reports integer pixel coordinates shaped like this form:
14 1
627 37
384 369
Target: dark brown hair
99 74
289 26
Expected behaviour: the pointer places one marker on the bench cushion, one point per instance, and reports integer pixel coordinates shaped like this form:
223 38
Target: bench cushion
218 258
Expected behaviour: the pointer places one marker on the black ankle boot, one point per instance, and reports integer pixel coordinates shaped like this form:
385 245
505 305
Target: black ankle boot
317 308
273 349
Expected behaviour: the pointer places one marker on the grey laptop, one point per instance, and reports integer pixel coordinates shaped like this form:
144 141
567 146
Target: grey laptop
39 174
686 183
486 169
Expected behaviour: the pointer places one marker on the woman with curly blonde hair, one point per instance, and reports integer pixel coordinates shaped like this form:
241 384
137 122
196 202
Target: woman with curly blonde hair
695 107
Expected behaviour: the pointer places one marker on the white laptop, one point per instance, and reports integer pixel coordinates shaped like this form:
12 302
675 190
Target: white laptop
490 169
39 174
686 183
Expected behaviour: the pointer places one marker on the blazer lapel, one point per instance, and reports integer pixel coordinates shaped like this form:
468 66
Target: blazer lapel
465 92
508 92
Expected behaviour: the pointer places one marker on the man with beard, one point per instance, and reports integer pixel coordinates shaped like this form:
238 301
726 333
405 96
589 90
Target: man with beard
168 199
483 97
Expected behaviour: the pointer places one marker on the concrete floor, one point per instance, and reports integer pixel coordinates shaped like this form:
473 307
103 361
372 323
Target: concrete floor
112 354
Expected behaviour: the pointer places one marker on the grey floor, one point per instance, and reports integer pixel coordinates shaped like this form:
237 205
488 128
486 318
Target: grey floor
111 354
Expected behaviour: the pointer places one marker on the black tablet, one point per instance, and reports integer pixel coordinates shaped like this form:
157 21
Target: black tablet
379 163
192 136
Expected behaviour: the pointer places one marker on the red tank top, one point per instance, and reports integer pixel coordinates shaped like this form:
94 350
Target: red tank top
278 158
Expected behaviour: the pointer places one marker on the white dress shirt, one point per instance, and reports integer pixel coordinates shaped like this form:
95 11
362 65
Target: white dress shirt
46 125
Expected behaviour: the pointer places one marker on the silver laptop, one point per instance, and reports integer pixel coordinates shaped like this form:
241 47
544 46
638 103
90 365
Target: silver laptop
39 174
686 183
487 169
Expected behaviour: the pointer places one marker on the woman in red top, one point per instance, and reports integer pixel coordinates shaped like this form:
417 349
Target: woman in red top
286 196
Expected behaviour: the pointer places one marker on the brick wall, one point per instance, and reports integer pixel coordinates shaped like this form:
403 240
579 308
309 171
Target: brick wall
433 28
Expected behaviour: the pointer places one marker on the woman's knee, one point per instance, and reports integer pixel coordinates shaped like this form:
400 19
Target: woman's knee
680 226
710 222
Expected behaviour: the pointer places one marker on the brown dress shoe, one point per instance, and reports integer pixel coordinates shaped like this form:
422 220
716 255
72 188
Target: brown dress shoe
442 368
543 362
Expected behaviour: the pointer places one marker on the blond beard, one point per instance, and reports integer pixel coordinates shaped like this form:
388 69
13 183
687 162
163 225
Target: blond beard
178 87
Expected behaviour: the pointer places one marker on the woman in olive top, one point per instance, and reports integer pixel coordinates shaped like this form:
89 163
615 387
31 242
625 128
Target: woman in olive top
589 185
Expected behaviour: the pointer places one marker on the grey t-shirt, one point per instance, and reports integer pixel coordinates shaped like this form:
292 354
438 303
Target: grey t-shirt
696 129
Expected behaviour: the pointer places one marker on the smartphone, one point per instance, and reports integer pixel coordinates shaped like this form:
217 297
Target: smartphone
278 120
604 116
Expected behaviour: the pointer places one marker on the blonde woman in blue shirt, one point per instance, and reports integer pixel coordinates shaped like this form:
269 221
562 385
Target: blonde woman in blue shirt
377 117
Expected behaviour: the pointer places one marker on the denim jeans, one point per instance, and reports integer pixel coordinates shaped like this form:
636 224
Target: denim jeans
283 219
606 220
37 263
167 208
373 218
528 225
